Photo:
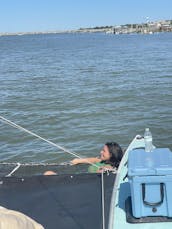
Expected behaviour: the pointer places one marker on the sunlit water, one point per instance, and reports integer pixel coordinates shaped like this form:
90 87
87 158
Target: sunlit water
82 90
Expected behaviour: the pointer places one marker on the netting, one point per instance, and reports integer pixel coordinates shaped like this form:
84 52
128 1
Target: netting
31 169
62 201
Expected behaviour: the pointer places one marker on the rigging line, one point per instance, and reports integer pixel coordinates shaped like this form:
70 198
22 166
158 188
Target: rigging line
103 200
13 171
50 142
36 164
36 135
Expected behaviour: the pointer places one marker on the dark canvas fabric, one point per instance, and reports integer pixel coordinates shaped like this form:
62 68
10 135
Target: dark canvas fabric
62 201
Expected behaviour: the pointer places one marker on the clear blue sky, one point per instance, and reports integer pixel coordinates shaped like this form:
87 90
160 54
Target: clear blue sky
47 15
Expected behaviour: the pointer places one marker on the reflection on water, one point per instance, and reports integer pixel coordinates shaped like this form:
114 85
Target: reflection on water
82 90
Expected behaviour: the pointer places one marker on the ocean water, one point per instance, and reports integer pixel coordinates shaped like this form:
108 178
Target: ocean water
81 91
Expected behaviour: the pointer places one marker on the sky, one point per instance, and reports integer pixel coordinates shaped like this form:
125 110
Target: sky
51 15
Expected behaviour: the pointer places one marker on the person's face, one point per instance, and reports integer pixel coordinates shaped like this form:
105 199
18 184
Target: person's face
104 154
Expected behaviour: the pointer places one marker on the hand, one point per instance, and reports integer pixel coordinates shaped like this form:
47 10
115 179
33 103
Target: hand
105 168
101 169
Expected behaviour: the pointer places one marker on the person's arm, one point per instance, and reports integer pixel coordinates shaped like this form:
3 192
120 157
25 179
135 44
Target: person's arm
47 173
85 160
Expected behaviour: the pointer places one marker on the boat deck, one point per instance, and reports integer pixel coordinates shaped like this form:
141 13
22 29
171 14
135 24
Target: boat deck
121 193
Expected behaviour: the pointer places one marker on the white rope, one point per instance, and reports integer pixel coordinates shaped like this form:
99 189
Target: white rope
36 135
36 164
103 200
13 171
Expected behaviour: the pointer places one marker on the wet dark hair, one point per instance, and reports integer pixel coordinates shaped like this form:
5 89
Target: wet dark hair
115 152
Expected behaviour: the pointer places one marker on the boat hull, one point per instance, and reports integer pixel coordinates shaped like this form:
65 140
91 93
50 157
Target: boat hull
121 192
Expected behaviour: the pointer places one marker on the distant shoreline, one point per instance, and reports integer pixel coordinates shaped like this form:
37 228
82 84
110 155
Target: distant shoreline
144 28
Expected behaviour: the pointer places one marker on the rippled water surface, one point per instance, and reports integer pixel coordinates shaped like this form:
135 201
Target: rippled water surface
82 90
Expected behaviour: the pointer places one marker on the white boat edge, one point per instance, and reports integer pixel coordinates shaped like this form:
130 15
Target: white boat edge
137 142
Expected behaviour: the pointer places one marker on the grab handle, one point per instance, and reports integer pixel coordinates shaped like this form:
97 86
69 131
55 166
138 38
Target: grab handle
156 203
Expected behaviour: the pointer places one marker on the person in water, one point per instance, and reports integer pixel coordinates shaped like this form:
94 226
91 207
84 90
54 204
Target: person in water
109 159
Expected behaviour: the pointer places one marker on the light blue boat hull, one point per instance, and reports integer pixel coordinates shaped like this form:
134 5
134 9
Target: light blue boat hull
121 192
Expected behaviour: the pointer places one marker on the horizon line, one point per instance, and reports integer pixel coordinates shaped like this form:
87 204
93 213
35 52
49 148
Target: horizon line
75 30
